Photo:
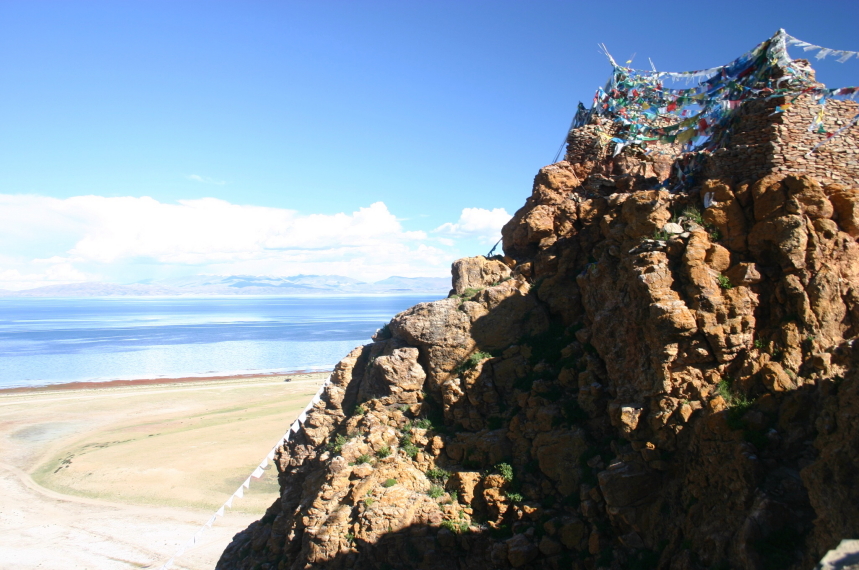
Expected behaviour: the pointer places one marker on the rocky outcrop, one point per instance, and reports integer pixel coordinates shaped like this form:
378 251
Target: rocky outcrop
646 379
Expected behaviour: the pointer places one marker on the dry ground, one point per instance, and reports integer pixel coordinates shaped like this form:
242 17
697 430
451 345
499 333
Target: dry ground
120 477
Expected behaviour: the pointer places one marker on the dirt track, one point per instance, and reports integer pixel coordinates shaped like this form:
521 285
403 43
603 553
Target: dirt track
121 477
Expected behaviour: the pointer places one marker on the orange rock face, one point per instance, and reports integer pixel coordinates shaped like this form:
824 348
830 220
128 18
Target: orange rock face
646 379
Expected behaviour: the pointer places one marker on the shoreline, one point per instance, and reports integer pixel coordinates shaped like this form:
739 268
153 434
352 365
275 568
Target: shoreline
141 382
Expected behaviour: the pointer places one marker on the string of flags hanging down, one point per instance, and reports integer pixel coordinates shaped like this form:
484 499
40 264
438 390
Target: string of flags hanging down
642 109
256 474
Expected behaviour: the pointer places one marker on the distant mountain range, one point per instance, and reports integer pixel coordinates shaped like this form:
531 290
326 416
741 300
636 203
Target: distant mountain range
244 285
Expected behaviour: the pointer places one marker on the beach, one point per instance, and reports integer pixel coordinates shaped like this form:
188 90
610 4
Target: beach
119 475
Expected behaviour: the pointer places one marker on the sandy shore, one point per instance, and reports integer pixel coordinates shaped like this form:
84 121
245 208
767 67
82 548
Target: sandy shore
119 475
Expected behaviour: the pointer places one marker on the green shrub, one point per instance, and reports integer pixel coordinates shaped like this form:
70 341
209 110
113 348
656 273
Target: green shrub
369 501
411 450
363 458
472 361
724 282
389 483
383 452
435 492
350 538
423 423
515 497
506 471
459 527
437 475
454 496
336 444
694 214
360 410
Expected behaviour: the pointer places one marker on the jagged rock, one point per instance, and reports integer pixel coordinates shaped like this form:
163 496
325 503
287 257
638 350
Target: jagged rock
477 273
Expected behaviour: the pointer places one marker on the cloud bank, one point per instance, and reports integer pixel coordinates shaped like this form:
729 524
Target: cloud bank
84 238
485 225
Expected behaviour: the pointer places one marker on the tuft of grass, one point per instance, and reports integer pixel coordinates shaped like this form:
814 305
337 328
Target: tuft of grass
423 423
660 235
437 475
759 344
389 483
363 458
369 501
411 450
435 492
724 282
515 497
383 452
454 496
459 527
472 361
336 444
405 408
359 410
350 538
506 471
694 214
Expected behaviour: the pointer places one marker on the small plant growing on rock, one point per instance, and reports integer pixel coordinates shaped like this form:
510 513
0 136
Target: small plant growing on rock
459 527
506 471
454 497
383 452
368 502
693 214
423 423
411 450
759 344
360 410
724 282
350 538
515 497
363 458
389 483
336 444
435 492
472 361
437 475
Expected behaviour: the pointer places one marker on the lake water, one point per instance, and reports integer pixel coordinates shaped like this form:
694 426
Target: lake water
46 341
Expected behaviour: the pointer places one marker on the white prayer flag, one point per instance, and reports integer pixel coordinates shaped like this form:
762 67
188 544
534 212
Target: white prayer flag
229 502
240 492
303 417
264 463
247 483
258 472
211 521
220 512
846 55
180 552
823 53
273 451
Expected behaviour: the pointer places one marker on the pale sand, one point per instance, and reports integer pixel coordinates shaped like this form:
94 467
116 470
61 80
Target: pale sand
120 477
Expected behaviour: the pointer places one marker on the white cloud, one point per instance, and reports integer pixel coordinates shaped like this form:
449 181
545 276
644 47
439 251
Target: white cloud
49 240
205 179
485 225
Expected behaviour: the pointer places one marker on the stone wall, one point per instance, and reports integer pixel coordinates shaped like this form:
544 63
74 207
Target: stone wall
836 161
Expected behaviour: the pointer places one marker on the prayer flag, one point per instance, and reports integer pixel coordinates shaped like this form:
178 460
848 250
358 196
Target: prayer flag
247 483
220 512
258 472
240 492
229 502
210 521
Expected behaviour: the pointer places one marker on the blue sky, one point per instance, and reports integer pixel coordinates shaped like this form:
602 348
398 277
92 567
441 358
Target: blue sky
148 139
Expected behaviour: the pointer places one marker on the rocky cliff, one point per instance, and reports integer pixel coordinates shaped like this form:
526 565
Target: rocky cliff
647 379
